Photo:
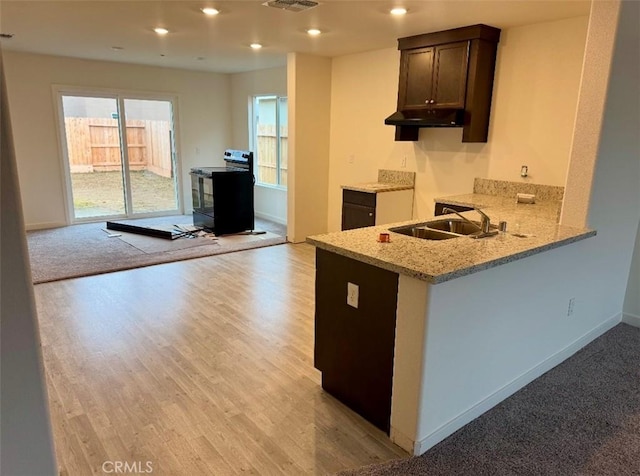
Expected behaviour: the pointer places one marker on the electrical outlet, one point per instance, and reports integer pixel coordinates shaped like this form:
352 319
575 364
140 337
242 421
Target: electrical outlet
570 307
353 291
404 161
351 159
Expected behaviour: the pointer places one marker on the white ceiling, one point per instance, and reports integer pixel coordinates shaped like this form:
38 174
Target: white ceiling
89 29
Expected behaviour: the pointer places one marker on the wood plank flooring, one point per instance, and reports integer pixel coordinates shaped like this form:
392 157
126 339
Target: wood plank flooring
200 367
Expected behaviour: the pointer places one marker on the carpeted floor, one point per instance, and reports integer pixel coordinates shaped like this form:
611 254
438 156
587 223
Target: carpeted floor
84 250
580 418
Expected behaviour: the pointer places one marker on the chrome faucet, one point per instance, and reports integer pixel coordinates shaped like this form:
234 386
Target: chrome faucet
485 222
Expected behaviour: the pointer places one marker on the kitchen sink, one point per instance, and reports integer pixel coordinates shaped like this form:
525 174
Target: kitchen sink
441 229
423 232
460 227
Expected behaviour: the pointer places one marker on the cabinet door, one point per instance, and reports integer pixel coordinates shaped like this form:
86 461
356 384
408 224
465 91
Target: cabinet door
416 81
354 347
357 216
450 75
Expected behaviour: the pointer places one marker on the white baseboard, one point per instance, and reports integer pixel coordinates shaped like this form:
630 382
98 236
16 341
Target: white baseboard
44 226
631 319
273 218
509 389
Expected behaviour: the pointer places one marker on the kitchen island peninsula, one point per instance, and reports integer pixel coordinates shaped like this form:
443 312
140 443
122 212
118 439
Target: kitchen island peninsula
422 336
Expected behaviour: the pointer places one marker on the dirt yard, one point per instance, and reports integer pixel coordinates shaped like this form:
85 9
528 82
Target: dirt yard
101 193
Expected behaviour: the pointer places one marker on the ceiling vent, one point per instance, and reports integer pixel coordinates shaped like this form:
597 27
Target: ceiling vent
291 5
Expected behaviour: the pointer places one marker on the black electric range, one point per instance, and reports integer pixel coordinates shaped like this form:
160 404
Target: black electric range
223 196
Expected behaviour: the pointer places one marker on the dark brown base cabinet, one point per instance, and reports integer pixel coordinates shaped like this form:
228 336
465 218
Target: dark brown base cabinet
361 209
354 347
438 210
358 209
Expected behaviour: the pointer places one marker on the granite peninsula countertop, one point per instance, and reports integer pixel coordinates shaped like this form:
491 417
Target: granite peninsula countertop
531 229
388 181
377 187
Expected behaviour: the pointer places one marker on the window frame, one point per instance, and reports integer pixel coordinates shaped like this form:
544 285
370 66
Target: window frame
254 117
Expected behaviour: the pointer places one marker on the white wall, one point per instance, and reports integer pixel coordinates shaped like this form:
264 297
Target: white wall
243 87
309 93
270 203
203 108
531 122
26 439
614 205
632 298
509 329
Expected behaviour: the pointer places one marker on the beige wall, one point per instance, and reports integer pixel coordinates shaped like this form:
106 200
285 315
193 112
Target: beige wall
203 108
309 93
535 97
532 120
270 203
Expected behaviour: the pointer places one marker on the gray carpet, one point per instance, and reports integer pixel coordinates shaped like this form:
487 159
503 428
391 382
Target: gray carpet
580 418
84 250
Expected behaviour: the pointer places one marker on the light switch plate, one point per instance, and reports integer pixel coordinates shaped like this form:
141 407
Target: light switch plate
353 291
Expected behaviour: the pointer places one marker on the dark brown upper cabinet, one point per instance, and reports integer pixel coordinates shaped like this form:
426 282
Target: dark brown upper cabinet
446 80
434 77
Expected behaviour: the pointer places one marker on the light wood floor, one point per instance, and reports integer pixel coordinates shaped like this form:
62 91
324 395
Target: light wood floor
201 367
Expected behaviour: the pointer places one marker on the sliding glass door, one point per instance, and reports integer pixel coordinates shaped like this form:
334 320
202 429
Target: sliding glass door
119 155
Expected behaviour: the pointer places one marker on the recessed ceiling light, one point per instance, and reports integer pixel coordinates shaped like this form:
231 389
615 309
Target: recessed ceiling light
210 11
313 31
255 46
161 31
398 11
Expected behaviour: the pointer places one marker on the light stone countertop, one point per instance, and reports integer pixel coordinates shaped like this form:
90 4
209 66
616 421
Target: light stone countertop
437 261
388 181
377 187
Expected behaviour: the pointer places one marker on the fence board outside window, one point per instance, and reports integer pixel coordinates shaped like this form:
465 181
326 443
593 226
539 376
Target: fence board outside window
268 157
94 145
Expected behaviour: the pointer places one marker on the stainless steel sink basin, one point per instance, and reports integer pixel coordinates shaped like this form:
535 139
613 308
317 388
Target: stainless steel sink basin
423 232
441 229
458 226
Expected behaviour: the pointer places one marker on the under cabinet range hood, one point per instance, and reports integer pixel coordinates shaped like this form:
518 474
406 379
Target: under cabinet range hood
427 118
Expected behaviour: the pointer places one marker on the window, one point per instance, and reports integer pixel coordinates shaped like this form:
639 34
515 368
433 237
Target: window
120 156
270 143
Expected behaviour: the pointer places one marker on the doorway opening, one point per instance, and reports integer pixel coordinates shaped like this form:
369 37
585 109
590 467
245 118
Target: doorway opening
119 155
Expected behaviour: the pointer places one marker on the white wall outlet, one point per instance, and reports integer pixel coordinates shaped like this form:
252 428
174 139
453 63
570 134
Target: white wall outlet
351 159
403 163
570 307
353 293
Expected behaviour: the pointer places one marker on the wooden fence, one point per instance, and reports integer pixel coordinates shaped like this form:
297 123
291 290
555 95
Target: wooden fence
267 154
93 144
